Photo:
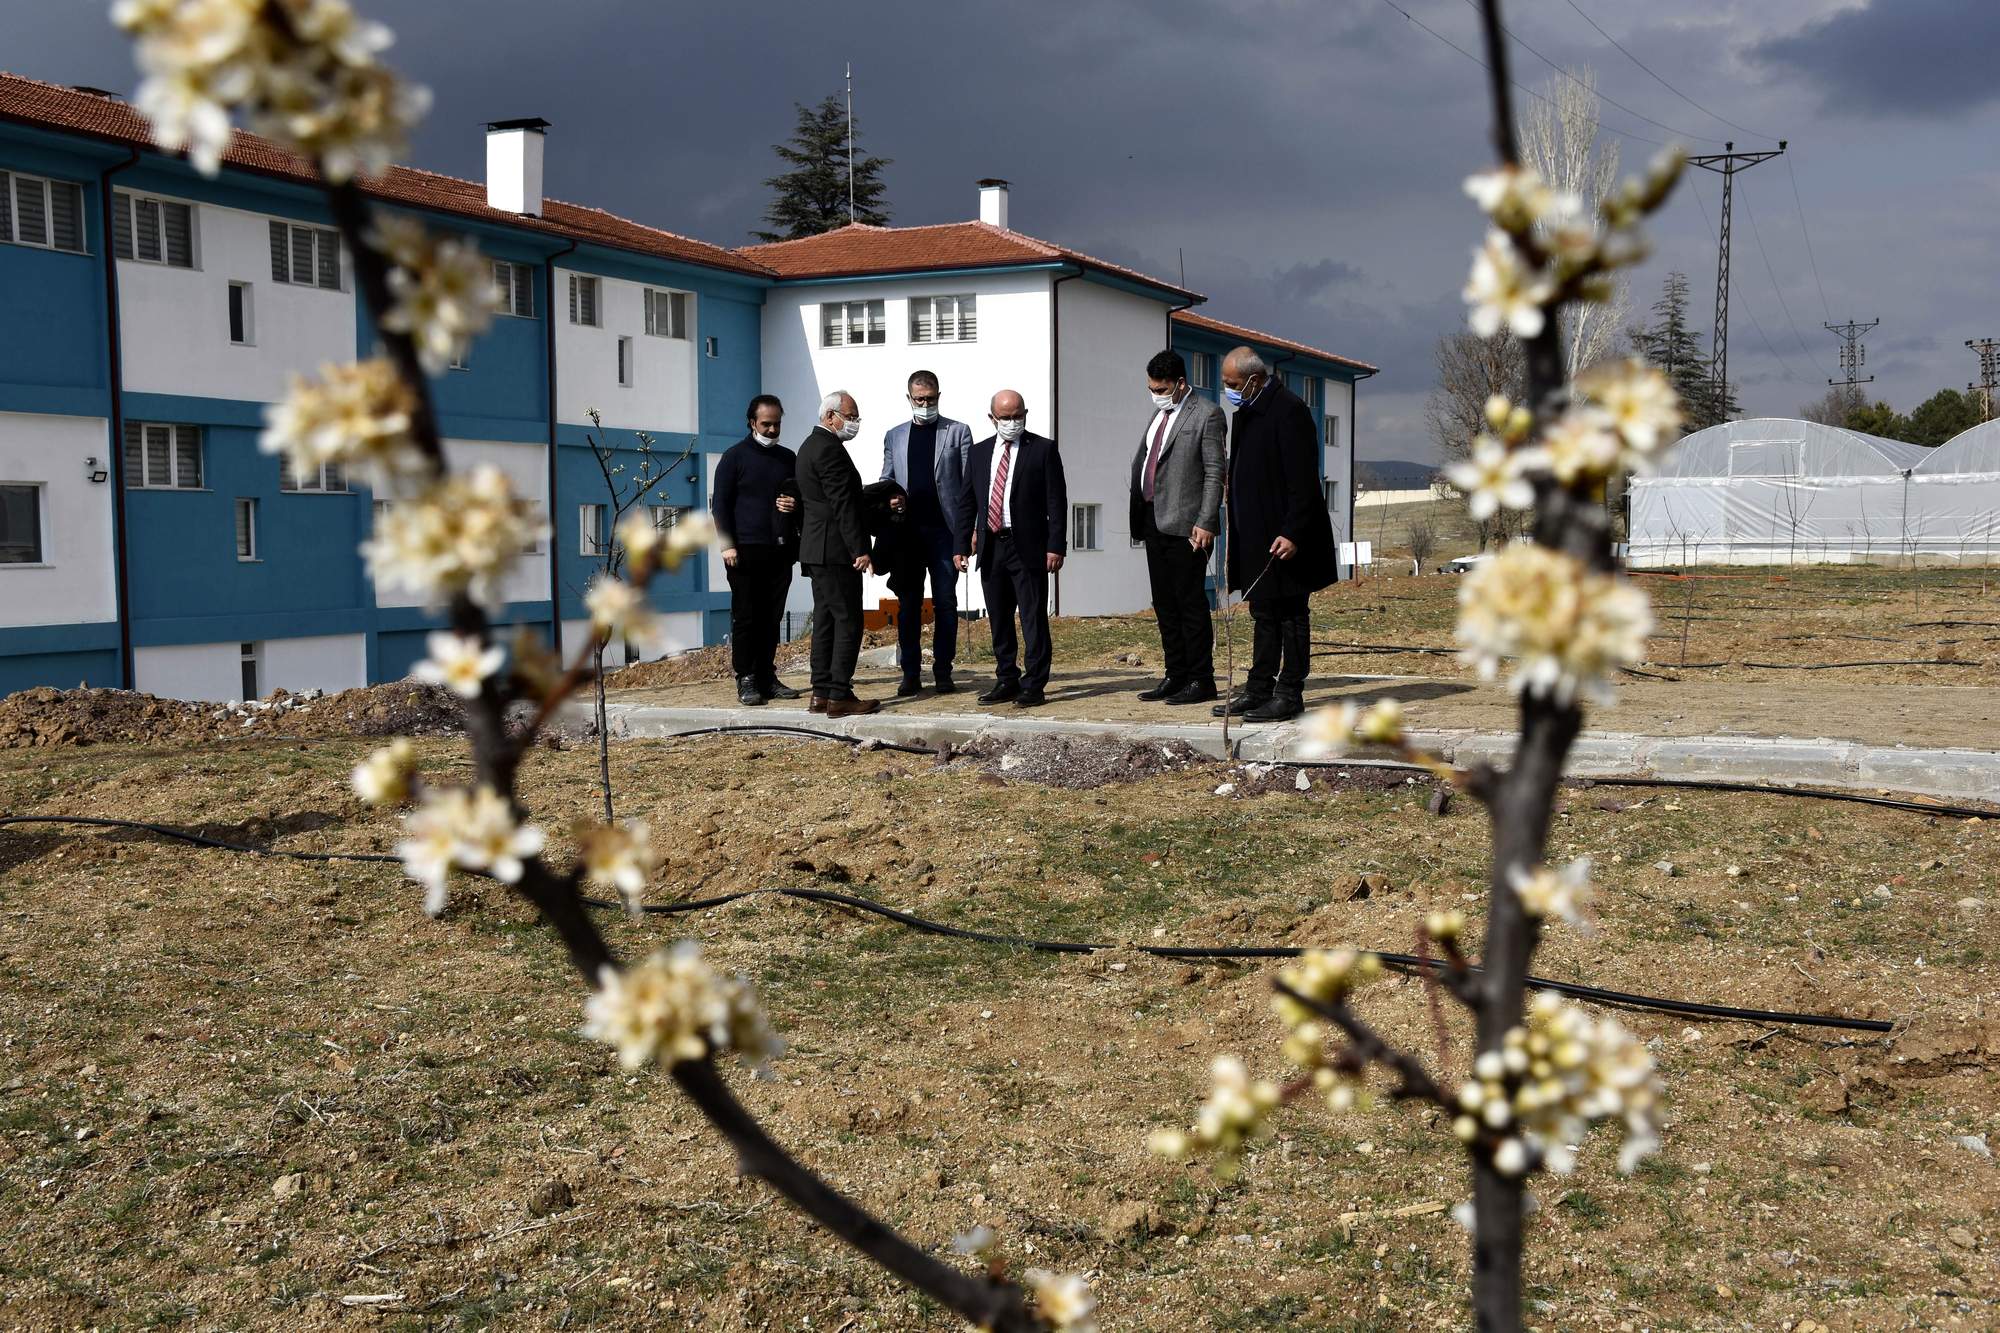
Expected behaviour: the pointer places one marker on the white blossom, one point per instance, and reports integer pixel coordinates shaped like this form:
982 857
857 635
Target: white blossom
461 534
1569 627
1504 293
429 848
443 288
689 537
489 839
358 414
385 776
1582 446
1515 197
619 856
620 609
1545 892
1329 731
1063 1299
1493 477
674 1007
458 662
1638 401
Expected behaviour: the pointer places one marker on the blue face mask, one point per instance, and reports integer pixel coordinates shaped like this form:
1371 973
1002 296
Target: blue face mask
1235 396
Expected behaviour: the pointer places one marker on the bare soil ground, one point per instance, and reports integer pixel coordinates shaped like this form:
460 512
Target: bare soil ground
236 1091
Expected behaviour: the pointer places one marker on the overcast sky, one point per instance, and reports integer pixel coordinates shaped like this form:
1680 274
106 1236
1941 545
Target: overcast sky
1304 156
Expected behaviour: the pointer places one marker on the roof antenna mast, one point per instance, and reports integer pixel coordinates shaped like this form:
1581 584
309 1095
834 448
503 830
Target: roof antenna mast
850 143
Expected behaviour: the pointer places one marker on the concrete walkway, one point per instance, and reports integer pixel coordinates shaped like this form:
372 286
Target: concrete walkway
1953 774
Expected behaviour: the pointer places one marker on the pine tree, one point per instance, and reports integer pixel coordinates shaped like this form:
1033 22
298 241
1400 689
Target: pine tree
812 197
1671 344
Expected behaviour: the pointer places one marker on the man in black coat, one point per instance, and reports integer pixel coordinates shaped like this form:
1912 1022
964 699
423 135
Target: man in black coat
757 521
1280 539
833 549
1013 519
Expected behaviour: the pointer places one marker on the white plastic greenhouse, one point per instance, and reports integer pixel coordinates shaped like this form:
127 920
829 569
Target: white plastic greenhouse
1776 491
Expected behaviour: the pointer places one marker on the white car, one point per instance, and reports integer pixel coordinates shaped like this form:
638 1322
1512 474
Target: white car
1464 563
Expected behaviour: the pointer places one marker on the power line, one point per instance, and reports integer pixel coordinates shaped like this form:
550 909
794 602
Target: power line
1608 101
1772 274
1807 233
1662 82
1517 85
1695 190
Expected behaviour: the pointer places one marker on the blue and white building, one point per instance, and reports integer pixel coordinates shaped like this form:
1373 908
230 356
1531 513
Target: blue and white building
148 315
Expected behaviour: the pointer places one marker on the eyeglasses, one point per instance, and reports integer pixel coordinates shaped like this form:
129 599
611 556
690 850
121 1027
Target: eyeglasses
923 400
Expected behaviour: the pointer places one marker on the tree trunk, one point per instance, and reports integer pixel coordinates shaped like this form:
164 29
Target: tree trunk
603 737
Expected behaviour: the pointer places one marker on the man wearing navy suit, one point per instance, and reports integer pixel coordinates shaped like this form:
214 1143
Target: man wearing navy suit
926 457
1013 520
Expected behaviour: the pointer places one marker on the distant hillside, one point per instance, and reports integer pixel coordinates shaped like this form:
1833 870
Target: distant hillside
1394 475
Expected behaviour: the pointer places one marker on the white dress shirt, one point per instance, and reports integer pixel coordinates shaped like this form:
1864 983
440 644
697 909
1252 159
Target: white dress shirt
1153 426
1007 498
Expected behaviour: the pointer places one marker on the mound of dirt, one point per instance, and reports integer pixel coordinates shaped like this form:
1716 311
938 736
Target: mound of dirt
1079 762
48 717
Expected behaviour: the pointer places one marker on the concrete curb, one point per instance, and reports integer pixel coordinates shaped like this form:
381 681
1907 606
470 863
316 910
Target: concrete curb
1786 761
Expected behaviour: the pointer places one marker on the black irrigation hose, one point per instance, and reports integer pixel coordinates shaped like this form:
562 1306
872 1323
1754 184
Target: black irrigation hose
1408 963
1762 789
783 729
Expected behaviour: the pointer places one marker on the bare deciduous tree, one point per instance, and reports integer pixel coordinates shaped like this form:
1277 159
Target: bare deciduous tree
1470 369
1559 139
1423 540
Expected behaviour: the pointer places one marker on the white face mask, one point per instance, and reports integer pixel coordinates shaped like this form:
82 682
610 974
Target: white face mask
925 415
1009 430
849 429
766 440
1163 401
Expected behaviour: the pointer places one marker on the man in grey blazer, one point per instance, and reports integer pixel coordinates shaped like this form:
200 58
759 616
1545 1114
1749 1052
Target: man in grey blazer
925 455
1177 480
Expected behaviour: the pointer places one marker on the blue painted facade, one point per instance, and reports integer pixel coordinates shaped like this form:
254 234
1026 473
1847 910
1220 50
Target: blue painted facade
185 583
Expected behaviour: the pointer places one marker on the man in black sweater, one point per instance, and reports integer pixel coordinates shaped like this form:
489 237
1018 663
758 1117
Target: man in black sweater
756 513
833 548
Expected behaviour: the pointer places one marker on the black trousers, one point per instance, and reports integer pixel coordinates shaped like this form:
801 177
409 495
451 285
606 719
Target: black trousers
1016 581
927 553
1281 651
758 582
836 629
1179 576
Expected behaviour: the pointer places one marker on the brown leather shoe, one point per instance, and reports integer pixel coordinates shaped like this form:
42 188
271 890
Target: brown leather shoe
818 704
851 707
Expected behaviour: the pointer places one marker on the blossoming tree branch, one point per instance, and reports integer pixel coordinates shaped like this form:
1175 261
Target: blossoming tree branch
307 74
1556 614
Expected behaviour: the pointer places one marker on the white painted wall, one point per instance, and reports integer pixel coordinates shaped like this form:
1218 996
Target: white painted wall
75 583
527 467
682 633
662 395
174 322
1010 352
321 662
1107 336
209 671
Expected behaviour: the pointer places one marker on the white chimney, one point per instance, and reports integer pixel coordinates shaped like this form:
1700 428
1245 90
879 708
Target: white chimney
993 201
514 165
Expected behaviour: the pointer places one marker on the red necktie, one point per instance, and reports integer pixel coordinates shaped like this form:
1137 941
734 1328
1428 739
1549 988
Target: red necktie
1153 457
996 507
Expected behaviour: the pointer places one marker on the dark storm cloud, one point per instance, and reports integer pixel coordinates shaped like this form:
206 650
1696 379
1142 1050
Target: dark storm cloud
1299 160
1917 57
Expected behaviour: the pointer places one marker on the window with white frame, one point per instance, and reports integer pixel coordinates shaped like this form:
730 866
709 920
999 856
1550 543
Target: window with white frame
711 347
1084 527
1201 370
35 210
246 529
21 523
152 231
666 516
591 522
585 300
666 314
160 456
1302 385
305 256
327 478
515 285
625 361
1331 489
852 324
239 314
248 655
1330 428
944 319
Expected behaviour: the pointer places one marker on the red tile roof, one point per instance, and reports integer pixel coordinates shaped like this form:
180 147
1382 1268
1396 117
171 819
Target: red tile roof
859 249
1247 335
52 106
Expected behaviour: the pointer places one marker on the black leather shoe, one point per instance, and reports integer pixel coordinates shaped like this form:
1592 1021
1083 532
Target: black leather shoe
1031 699
773 688
911 685
946 686
1164 689
1195 692
1240 703
747 693
1001 693
1278 708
